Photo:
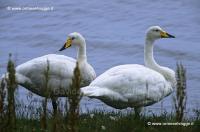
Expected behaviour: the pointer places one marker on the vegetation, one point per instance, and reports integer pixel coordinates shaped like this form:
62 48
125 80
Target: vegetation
99 121
21 118
180 98
8 116
43 116
74 98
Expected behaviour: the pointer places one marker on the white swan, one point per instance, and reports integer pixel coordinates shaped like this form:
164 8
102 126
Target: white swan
134 85
31 74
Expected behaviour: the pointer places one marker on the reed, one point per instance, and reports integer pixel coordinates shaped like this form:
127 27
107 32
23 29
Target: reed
181 96
7 99
2 99
74 97
43 116
3 106
55 122
11 86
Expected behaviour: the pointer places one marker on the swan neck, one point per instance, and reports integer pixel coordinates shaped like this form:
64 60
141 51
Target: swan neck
149 58
151 63
81 56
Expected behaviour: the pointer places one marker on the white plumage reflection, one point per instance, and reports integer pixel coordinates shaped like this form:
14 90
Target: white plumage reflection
134 85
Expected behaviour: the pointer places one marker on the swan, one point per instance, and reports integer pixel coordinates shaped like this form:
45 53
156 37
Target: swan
31 74
134 85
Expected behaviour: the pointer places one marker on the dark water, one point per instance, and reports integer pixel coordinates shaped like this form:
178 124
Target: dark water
114 31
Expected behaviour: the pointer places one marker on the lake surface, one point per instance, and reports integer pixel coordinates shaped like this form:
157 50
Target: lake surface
114 31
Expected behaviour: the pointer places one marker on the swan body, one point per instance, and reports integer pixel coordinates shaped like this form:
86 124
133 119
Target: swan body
129 85
134 85
31 74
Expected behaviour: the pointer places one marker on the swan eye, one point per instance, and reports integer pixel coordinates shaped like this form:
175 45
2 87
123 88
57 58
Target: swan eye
73 38
156 30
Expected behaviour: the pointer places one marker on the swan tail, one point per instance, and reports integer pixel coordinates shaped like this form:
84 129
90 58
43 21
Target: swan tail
91 91
3 82
102 93
3 90
20 79
4 87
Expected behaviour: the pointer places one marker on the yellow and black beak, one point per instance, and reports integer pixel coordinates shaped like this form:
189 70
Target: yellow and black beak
67 44
166 35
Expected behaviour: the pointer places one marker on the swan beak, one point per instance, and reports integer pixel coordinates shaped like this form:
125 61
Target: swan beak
67 44
166 35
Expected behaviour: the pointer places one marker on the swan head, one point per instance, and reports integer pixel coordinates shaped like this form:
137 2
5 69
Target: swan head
74 38
156 32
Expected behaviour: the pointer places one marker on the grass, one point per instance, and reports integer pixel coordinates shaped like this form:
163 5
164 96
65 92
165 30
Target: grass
21 118
99 121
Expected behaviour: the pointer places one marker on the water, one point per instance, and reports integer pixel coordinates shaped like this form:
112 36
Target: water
114 31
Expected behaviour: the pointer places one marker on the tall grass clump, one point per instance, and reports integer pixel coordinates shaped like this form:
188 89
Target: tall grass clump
43 116
74 97
8 84
54 123
11 86
2 103
181 97
2 99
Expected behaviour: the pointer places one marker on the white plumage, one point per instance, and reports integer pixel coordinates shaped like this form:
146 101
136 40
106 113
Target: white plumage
31 74
134 85
129 85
